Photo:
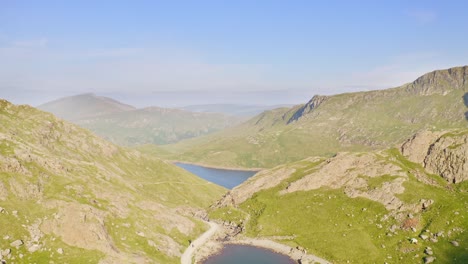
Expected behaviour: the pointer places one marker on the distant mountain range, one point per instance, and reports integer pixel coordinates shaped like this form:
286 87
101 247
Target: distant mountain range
328 124
125 125
83 106
233 109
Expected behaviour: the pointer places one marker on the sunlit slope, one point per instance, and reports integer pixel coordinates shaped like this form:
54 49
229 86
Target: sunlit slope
71 197
328 124
364 207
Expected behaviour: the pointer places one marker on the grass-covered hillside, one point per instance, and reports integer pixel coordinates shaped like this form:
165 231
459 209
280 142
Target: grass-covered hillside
128 126
67 196
364 207
329 124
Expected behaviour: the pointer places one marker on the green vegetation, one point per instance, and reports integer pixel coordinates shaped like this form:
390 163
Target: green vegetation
63 187
346 122
330 224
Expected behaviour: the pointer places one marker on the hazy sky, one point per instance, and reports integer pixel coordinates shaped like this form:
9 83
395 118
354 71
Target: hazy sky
223 51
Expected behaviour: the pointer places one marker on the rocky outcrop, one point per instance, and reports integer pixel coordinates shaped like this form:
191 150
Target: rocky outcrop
262 180
417 147
350 171
448 157
315 102
439 153
440 81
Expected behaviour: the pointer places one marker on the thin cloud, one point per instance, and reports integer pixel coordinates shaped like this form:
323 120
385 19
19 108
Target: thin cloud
422 16
31 43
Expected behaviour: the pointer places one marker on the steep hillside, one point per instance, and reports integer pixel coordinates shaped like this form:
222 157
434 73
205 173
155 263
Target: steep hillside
156 125
67 196
328 124
363 207
83 106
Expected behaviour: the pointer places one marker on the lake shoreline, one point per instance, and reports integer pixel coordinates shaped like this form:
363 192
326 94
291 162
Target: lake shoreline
217 242
216 167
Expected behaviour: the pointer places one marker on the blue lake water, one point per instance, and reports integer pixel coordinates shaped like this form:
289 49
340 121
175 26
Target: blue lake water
240 254
226 178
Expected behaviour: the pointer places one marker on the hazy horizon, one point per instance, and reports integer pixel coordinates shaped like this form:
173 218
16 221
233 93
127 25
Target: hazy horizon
178 53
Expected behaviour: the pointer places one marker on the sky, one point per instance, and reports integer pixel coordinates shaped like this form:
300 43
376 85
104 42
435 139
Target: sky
174 53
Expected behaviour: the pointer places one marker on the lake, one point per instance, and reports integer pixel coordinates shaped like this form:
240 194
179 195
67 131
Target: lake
226 178
236 254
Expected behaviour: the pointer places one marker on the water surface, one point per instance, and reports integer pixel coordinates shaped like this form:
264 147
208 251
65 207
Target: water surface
226 178
240 254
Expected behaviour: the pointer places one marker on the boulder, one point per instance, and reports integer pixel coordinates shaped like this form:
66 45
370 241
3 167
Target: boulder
429 259
16 243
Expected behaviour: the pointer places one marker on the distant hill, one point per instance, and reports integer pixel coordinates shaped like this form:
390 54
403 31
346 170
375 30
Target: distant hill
82 106
125 125
67 196
328 124
154 125
233 109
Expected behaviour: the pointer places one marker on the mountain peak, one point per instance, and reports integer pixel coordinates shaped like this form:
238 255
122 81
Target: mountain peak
83 106
440 81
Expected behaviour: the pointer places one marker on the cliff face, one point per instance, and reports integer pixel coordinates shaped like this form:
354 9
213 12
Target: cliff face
438 82
315 102
442 154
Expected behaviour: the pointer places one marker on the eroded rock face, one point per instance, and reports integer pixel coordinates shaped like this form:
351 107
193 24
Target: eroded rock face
438 81
417 147
448 157
439 153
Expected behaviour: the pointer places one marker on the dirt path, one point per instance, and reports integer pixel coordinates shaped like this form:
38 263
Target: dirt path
187 256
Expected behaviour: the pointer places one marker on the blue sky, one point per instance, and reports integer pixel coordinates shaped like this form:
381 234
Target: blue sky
137 50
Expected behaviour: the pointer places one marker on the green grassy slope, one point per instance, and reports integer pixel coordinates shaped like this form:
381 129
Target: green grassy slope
351 219
61 187
346 122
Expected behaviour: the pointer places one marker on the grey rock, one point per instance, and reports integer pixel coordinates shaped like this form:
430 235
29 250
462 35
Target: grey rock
16 243
423 237
429 259
34 248
429 251
60 251
455 243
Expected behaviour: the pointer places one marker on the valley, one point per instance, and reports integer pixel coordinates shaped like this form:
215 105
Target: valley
351 178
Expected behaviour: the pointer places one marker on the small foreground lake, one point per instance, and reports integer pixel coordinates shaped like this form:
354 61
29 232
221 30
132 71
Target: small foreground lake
226 178
240 254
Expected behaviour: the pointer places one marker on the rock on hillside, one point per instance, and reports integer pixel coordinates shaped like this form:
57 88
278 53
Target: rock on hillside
68 196
444 154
